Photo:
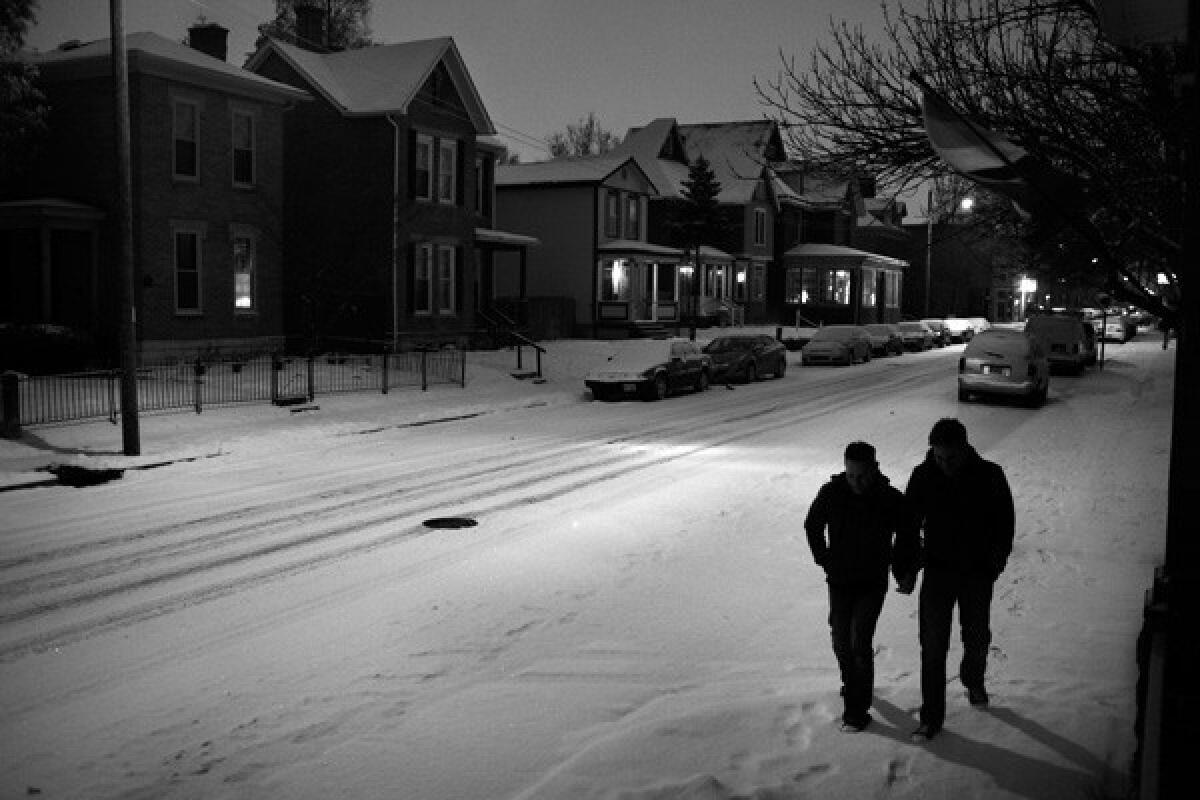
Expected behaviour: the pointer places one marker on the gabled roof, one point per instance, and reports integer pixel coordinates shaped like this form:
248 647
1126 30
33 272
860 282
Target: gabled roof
738 153
381 79
152 54
563 171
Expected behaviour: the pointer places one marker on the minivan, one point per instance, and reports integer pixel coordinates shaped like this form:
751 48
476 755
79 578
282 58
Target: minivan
1004 362
1070 342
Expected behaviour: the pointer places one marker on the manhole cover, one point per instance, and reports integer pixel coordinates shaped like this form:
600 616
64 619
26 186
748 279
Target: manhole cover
450 522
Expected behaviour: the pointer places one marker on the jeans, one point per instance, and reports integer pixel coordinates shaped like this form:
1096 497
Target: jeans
940 590
853 611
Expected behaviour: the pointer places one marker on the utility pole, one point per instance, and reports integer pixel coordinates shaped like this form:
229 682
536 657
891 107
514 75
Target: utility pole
928 246
127 341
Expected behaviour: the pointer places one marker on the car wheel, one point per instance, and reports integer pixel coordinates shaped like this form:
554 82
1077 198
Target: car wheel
658 388
702 381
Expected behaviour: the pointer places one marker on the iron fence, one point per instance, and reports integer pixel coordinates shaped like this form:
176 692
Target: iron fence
49 399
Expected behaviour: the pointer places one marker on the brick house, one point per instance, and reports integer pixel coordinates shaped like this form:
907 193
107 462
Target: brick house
389 194
207 199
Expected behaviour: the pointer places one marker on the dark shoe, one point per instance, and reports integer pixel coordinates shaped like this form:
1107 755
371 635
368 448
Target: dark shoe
855 724
977 696
924 733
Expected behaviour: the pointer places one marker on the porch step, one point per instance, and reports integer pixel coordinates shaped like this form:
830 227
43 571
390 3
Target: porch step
648 330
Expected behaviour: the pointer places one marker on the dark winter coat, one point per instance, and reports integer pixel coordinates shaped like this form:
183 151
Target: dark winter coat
855 538
968 520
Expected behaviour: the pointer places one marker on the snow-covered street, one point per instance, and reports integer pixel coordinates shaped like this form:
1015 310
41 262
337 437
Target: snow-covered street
260 611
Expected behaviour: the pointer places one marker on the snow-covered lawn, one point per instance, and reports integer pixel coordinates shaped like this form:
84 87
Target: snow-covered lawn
258 612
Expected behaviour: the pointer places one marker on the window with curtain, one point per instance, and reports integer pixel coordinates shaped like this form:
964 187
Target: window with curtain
447 169
244 258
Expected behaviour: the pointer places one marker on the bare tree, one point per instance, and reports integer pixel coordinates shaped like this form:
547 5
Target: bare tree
1036 71
22 105
583 138
346 22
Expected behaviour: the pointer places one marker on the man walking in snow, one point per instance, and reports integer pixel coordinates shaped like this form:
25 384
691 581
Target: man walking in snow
965 507
857 528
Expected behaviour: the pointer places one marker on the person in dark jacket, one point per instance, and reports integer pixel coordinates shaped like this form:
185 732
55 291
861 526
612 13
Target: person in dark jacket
965 507
857 528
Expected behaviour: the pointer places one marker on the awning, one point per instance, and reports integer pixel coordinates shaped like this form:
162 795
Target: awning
636 248
832 255
504 238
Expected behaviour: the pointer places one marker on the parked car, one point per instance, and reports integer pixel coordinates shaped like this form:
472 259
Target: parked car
1004 363
916 335
650 369
1069 340
837 344
979 324
941 336
886 339
746 357
959 330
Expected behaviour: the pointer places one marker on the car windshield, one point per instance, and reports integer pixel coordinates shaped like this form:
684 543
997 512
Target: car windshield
728 344
834 333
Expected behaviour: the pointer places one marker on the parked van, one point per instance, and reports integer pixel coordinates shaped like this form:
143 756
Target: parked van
1070 341
1004 362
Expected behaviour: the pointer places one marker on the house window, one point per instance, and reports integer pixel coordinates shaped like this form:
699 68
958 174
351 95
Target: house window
447 186
818 285
758 283
739 283
632 206
243 149
423 280
183 132
445 279
245 259
894 281
614 279
187 265
423 167
612 215
868 288
760 226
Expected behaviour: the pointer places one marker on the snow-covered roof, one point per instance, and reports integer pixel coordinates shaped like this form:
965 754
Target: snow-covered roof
849 254
380 79
585 169
153 54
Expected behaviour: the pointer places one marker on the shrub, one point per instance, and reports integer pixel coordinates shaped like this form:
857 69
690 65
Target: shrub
44 349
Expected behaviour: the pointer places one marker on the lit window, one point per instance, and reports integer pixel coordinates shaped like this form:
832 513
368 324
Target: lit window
423 168
448 172
243 149
614 280
185 118
868 288
243 273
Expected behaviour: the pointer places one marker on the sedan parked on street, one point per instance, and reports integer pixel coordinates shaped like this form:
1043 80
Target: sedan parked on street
916 335
650 369
1004 363
837 344
746 357
959 330
886 339
941 336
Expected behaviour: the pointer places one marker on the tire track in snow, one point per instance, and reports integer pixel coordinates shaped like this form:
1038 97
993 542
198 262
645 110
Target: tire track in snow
517 487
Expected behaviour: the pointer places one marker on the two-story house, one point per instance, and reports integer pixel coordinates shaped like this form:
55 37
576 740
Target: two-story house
589 215
733 270
840 252
207 199
389 194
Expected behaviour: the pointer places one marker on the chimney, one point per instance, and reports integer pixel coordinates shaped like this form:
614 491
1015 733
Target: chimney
310 28
210 38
